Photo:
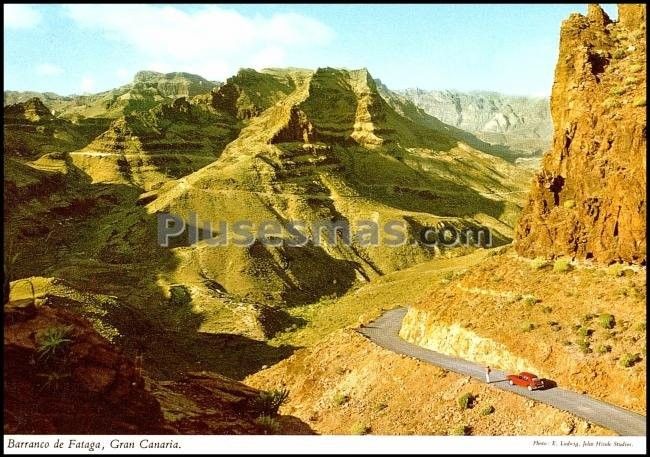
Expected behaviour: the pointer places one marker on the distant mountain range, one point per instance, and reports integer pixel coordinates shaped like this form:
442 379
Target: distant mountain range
522 123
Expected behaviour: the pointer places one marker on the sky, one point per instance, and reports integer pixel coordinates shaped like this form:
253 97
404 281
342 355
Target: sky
79 49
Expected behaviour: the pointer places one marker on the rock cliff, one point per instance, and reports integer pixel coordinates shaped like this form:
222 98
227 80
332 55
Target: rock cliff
589 200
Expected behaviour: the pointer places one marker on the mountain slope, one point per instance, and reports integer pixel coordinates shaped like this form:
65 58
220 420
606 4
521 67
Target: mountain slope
328 146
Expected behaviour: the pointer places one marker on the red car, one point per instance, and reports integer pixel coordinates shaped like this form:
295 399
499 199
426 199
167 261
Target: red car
525 379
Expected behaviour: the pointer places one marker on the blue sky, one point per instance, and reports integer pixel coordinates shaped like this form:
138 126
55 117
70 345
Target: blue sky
87 48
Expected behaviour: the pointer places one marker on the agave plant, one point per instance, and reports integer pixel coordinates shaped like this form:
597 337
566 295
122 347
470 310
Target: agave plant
52 340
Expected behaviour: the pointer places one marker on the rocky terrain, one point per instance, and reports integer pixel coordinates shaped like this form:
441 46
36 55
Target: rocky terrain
588 201
591 320
583 292
346 385
62 377
101 315
521 124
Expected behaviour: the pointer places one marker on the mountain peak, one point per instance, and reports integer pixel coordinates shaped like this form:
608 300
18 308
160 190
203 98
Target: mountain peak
33 109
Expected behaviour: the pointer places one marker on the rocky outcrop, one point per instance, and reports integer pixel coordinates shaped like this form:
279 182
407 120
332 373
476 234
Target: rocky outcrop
60 376
589 200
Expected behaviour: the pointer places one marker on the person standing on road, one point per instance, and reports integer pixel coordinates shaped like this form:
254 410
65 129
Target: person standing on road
487 374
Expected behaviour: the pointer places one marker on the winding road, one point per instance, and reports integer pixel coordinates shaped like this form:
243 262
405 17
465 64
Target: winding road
384 332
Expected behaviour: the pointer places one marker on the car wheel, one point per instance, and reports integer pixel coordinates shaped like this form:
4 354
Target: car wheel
530 388
511 383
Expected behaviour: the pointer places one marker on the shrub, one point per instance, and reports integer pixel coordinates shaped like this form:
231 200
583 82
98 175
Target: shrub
179 295
538 263
606 321
640 327
51 341
583 344
604 349
461 430
618 90
631 80
359 428
636 67
547 309
585 332
531 299
466 401
611 103
53 380
618 54
628 360
268 403
568 204
487 410
639 102
617 269
448 275
340 399
269 425
527 327
561 265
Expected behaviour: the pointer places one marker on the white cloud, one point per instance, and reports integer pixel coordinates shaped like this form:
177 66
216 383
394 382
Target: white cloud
21 16
211 41
124 75
87 84
48 69
268 57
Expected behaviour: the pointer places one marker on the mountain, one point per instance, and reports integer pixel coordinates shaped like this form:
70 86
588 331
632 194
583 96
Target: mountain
588 201
324 145
266 146
31 129
523 124
148 89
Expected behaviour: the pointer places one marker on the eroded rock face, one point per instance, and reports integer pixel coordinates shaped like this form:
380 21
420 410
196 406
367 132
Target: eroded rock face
60 376
589 199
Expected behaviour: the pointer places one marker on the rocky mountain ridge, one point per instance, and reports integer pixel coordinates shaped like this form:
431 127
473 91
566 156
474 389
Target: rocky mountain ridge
589 201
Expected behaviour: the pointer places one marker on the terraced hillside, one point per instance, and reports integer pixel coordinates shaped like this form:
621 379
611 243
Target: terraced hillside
270 146
327 146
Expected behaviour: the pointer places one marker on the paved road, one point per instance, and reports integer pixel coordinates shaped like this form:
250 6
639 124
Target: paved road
384 332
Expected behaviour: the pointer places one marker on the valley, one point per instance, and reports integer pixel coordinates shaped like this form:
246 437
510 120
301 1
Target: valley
268 338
